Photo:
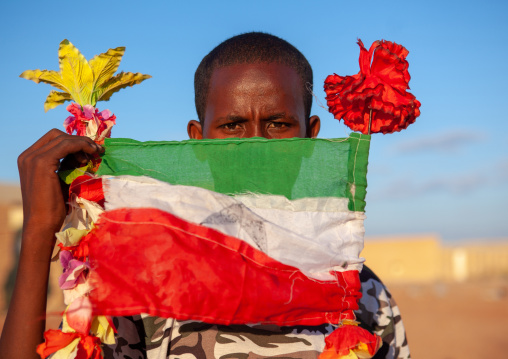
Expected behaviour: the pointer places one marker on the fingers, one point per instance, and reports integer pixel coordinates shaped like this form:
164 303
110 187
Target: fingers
75 160
54 146
65 145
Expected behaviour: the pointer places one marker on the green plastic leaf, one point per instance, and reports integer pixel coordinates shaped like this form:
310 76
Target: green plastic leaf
70 175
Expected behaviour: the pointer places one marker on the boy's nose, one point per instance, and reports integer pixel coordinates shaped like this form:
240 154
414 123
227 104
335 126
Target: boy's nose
254 129
257 132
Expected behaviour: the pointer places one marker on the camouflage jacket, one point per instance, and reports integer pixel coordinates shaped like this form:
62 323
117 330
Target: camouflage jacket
143 336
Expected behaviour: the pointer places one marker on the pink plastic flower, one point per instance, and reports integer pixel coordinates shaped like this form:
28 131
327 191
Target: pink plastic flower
74 271
77 122
88 121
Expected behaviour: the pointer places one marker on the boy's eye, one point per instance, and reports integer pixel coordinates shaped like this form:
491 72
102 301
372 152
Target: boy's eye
278 125
231 126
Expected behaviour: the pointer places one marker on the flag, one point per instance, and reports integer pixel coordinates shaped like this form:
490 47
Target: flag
230 231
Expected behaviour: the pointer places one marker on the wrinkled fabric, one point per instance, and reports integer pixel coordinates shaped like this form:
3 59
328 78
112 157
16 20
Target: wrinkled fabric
316 235
176 258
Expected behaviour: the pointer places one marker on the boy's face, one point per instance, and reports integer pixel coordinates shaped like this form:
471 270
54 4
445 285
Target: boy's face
254 100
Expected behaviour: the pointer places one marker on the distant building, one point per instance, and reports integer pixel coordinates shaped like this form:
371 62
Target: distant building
424 259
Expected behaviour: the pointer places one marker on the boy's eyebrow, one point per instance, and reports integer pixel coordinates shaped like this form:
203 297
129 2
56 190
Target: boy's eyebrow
278 116
234 118
231 118
237 118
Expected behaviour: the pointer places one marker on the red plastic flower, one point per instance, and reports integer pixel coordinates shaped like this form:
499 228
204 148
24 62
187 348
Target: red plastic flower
88 121
349 339
378 92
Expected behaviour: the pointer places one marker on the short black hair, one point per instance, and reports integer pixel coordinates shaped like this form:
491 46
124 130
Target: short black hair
251 48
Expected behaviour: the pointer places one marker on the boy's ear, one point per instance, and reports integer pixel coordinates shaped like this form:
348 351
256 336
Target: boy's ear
194 130
313 127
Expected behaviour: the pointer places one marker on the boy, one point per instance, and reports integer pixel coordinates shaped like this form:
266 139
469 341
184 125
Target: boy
252 85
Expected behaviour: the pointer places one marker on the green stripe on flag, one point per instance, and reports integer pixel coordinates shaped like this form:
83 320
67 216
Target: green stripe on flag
357 170
295 167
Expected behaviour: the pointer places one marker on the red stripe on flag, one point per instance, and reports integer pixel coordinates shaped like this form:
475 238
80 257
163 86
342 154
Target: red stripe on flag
149 261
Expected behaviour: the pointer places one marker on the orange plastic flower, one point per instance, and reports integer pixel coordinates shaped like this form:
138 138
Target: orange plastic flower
80 345
378 92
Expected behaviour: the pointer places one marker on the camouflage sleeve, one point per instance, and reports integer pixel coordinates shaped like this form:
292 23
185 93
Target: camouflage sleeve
129 339
146 337
140 337
379 314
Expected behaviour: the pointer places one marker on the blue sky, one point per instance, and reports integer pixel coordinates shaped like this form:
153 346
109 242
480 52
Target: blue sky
446 174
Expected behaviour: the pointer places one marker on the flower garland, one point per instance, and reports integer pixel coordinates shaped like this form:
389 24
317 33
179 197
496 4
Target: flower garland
81 333
85 83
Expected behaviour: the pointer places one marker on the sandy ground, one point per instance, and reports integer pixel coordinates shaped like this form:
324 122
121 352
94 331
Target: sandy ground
444 321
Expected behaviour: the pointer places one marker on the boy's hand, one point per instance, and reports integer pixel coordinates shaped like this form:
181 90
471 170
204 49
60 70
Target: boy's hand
43 200
44 212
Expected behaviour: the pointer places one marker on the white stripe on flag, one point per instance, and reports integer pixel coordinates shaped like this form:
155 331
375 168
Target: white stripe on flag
328 238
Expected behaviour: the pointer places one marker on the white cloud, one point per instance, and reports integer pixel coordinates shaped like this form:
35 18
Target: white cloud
458 184
448 142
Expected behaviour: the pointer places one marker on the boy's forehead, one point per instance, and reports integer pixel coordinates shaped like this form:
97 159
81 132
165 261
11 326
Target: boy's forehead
255 78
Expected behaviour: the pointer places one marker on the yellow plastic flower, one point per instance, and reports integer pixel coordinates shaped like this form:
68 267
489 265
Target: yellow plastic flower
85 82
